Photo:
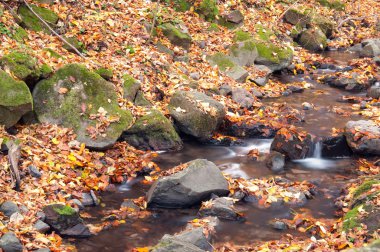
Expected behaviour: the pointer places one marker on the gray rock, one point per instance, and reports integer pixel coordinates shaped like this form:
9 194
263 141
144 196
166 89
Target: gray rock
10 243
130 204
371 48
374 91
256 93
297 17
176 35
130 87
42 250
195 76
41 226
61 217
237 73
34 172
313 39
307 106
243 53
222 207
195 113
356 48
87 200
243 98
77 231
368 141
275 161
8 208
225 90
153 131
279 225
235 17
78 203
64 99
194 237
263 73
195 183
41 216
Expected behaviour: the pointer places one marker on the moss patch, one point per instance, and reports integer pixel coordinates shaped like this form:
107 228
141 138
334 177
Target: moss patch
52 53
333 4
65 210
263 33
208 9
22 65
241 35
213 27
74 42
222 61
30 21
19 34
272 52
106 73
350 220
179 5
365 187
175 35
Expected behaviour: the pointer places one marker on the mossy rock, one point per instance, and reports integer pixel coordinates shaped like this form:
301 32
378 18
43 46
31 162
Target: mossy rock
53 53
140 99
179 5
223 61
106 73
229 65
244 53
208 9
213 27
15 100
74 42
196 114
30 21
325 24
61 217
176 36
366 214
231 20
272 56
313 39
153 131
300 17
22 65
19 34
241 35
333 4
45 71
74 93
263 33
130 86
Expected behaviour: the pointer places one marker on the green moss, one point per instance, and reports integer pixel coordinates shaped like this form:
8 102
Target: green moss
365 187
241 35
332 4
175 35
30 21
45 70
53 53
106 73
208 9
12 92
222 61
128 80
350 220
213 27
22 65
271 52
313 39
65 210
179 5
74 42
20 34
263 33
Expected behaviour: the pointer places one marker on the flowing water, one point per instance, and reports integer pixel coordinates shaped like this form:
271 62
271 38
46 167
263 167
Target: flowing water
329 175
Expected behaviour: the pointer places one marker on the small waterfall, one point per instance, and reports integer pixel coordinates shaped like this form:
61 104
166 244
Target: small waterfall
317 150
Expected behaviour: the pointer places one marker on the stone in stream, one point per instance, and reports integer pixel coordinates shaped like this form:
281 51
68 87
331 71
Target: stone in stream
195 183
221 207
153 131
196 114
10 243
76 97
333 147
65 220
370 48
15 100
275 161
188 241
292 144
374 91
8 208
278 225
363 137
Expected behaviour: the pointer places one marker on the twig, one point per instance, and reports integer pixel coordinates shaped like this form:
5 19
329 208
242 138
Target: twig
154 20
53 31
348 19
14 153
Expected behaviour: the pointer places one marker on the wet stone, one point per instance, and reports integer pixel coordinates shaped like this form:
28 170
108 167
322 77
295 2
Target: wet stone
41 226
34 172
10 243
77 231
87 199
279 225
8 208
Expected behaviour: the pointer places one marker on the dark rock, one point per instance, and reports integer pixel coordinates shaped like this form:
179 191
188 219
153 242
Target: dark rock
297 17
252 130
195 183
235 17
194 237
374 91
41 226
295 89
279 225
41 216
81 88
61 217
10 243
289 144
275 161
78 45
130 205
87 200
243 98
8 208
153 131
333 147
34 172
77 231
94 198
196 114
42 250
368 140
222 207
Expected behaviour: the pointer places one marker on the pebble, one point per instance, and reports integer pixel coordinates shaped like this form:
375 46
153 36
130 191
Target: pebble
41 227
307 106
279 225
195 76
34 172
8 208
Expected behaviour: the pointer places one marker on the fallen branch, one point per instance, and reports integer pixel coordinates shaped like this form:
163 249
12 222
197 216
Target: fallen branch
154 20
14 154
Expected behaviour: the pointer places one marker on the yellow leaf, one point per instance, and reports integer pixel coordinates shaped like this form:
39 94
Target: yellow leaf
72 157
145 249
55 141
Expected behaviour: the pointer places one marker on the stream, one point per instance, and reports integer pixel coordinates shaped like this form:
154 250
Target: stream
329 175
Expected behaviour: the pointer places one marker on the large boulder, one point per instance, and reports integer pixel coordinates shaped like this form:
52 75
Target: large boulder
313 39
153 131
65 220
15 100
333 147
32 22
273 56
292 144
196 114
188 240
297 17
176 35
10 243
80 99
228 64
195 183
363 137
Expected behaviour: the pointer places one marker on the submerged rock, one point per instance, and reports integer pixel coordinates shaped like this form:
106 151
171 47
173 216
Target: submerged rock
153 131
275 161
188 240
196 114
77 98
195 183
221 207
15 100
292 144
363 137
10 243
